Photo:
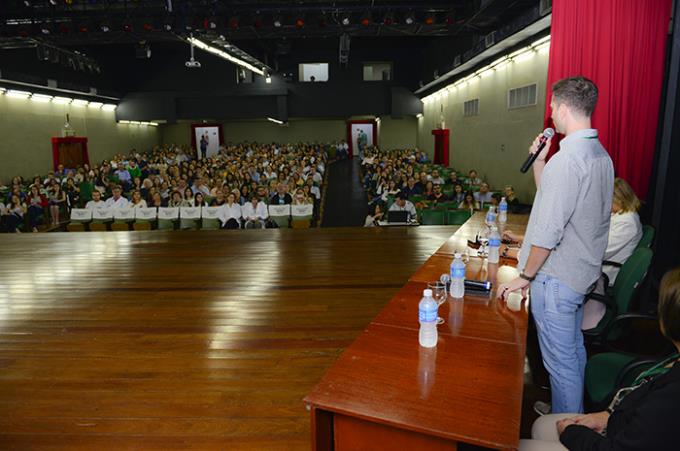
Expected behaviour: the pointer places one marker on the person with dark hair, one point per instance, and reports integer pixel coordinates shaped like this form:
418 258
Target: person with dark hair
12 215
643 416
230 213
566 238
402 204
374 216
36 207
254 213
458 195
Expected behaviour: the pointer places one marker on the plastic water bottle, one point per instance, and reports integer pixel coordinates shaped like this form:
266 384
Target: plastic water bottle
457 276
503 211
494 244
491 216
427 315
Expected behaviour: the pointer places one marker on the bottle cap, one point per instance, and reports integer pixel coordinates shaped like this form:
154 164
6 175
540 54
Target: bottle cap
502 198
427 293
457 255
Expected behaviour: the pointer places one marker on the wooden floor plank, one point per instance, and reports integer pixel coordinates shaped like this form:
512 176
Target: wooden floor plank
185 340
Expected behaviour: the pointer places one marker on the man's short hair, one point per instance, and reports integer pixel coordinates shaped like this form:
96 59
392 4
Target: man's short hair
401 196
578 93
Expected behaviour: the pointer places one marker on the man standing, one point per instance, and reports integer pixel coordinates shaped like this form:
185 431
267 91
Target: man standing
566 238
204 145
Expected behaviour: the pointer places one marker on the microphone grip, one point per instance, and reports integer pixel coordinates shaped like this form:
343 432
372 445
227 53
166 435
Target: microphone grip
532 157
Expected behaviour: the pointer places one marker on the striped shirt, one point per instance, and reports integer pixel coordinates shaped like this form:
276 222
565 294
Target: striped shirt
571 211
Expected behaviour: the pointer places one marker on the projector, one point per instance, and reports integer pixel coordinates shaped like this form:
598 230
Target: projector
192 63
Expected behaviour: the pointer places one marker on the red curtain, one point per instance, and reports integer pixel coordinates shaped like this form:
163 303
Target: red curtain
620 45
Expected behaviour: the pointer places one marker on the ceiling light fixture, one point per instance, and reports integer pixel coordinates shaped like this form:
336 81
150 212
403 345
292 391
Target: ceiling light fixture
42 98
95 105
221 53
18 94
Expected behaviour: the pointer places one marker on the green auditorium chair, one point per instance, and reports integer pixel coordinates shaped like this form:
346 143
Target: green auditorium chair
630 276
457 217
647 237
432 217
607 372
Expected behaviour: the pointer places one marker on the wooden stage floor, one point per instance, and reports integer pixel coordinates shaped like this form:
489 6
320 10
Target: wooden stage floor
185 340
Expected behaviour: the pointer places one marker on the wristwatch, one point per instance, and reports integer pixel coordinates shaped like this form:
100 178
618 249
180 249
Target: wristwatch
525 277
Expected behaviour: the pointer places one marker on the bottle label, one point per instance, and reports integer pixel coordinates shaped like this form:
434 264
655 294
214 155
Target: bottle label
503 208
458 273
490 217
494 242
427 316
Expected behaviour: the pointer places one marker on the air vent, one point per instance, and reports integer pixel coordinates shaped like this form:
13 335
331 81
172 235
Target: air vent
471 108
522 97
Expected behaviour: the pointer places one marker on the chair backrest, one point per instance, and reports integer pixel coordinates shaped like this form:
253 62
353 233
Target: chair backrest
145 214
81 214
457 217
168 213
433 217
102 213
279 210
647 237
210 212
630 276
302 211
123 214
190 213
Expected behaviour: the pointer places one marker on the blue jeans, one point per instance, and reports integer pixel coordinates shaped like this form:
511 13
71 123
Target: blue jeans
558 313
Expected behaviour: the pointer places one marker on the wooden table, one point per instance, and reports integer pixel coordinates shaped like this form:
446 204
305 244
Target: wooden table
386 392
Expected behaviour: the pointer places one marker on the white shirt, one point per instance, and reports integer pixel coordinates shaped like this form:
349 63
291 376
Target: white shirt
259 212
408 206
120 203
91 205
141 204
625 231
226 212
486 198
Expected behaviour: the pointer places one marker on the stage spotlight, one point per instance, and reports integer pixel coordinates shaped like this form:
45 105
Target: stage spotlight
127 27
409 19
53 2
147 26
366 19
389 19
450 19
167 24
345 19
429 19
234 23
104 27
278 21
45 29
83 28
299 22
27 3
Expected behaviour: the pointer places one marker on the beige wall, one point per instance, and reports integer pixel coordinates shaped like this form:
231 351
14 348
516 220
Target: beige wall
394 133
495 142
264 131
27 127
398 133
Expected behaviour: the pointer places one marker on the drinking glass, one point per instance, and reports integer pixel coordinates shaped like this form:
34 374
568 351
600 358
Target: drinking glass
438 294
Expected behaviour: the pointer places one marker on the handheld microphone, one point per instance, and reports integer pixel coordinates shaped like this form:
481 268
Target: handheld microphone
547 134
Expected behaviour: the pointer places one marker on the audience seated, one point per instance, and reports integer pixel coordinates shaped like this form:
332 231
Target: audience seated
96 201
12 214
230 213
625 231
402 204
374 216
37 202
483 196
254 213
642 416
